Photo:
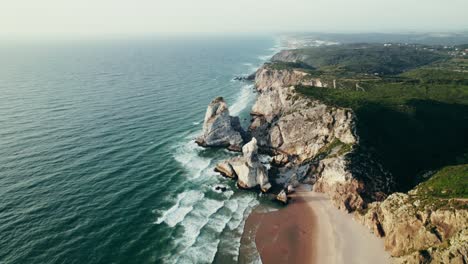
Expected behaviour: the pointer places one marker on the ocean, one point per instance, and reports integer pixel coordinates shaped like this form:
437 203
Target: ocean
97 160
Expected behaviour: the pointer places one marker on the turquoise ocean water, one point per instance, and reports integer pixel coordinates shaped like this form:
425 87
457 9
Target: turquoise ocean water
97 163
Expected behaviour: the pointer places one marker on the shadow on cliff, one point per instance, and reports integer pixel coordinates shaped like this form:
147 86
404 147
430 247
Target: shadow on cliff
412 139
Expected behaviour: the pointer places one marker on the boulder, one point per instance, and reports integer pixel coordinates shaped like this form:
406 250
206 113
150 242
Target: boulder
411 226
282 197
225 169
219 128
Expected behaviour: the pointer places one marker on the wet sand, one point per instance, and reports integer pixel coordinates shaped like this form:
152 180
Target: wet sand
284 236
311 230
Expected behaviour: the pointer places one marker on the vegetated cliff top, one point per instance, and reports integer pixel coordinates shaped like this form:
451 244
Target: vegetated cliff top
365 58
449 182
413 114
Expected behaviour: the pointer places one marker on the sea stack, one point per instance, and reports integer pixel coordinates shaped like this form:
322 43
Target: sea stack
219 128
249 171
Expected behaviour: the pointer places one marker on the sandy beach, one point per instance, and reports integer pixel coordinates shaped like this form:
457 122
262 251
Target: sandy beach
311 230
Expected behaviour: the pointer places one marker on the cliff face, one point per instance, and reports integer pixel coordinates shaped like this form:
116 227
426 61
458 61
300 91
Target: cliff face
418 230
287 123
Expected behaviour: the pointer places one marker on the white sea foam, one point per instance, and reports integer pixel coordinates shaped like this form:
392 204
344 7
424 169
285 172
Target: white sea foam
275 49
195 221
184 205
186 153
251 68
236 225
244 203
243 99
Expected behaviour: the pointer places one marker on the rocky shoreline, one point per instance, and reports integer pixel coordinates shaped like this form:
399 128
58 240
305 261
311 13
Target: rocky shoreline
310 142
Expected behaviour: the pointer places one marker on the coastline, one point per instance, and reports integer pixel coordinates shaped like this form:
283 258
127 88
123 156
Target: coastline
311 230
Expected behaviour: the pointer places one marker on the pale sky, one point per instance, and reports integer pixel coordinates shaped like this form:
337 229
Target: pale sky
62 18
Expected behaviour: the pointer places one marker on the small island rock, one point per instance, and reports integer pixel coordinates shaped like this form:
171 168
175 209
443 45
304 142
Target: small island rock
219 128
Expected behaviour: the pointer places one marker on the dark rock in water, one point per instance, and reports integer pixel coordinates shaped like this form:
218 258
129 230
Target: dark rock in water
220 188
249 78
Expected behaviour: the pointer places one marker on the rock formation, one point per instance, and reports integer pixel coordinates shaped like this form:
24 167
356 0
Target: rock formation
286 123
219 128
298 131
248 170
419 230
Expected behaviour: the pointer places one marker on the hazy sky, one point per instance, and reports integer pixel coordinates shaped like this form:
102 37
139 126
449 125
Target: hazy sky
58 18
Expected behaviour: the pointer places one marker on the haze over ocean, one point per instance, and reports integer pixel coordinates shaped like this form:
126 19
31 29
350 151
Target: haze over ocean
98 163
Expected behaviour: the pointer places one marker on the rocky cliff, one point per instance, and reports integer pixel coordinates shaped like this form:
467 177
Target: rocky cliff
418 229
315 143
300 132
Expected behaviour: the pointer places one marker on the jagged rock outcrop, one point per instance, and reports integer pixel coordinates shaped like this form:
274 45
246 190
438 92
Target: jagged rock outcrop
418 230
248 169
287 123
219 128
268 77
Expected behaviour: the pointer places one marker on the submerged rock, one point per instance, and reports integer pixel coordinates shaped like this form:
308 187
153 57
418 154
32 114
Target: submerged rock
248 169
219 128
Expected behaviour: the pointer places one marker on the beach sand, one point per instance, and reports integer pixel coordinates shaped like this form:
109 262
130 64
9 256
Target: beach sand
311 230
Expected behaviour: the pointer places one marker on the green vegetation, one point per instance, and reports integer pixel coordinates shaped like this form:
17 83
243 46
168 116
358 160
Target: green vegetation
449 182
368 58
335 148
412 122
280 65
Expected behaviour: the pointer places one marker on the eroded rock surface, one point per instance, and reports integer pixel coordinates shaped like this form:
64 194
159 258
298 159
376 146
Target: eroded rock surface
248 169
286 123
417 230
219 128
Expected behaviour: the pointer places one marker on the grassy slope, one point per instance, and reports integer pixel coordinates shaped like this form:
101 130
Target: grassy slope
414 122
449 182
